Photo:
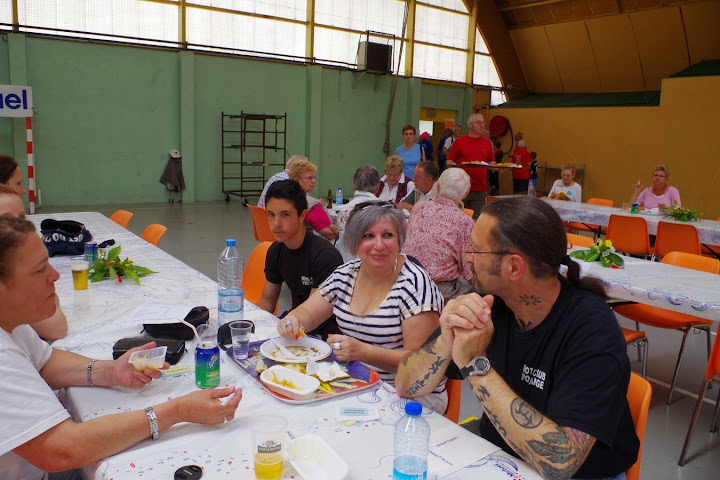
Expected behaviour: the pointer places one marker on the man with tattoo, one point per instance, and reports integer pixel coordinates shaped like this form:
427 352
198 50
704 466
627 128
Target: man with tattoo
544 354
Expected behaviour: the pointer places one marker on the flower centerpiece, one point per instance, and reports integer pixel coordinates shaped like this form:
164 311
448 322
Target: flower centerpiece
682 214
109 265
603 252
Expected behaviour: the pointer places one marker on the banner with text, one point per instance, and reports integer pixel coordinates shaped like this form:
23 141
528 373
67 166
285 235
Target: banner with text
15 101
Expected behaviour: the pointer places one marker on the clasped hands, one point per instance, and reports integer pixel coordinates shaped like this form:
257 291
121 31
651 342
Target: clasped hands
466 326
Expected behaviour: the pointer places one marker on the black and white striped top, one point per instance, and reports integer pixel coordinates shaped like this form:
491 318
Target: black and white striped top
414 292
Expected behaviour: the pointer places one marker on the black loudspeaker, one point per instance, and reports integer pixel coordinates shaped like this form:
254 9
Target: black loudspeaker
374 57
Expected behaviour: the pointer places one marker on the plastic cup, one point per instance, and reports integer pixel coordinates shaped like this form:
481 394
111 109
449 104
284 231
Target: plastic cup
240 332
79 267
196 296
268 446
626 206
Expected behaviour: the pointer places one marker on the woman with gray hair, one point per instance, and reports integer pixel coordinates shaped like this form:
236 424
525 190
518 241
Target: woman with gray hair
385 305
365 183
439 233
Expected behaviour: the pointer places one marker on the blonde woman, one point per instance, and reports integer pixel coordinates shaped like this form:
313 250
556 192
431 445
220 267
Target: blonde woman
566 188
660 195
303 172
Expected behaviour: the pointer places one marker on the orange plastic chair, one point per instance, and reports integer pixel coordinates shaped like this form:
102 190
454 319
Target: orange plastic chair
629 234
579 240
638 396
121 217
492 198
454 393
712 374
154 233
469 212
640 341
261 225
254 275
676 237
590 227
668 319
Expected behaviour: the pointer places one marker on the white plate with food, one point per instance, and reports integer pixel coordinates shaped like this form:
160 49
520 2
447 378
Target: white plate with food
303 348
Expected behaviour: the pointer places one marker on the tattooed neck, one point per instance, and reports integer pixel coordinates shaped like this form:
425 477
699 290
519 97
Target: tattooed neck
522 324
530 300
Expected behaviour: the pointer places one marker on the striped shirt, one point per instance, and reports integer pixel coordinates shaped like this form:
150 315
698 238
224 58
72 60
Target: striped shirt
413 293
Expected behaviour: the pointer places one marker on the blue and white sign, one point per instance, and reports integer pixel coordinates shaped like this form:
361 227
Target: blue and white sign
15 101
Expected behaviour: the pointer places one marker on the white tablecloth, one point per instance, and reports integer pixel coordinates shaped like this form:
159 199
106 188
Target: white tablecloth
708 230
98 317
665 286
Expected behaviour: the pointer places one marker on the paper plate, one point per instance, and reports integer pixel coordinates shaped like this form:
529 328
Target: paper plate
304 347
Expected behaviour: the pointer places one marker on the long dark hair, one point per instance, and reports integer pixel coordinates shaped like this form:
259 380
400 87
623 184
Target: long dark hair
532 227
7 168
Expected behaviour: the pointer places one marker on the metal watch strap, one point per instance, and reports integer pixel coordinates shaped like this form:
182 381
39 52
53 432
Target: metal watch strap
153 420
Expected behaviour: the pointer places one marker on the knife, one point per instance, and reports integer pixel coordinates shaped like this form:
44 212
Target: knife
284 350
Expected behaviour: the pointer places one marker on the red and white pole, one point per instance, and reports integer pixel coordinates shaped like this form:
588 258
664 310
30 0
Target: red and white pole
30 165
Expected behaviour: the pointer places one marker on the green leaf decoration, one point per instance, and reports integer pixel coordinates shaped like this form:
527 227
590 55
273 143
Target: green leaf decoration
109 265
592 256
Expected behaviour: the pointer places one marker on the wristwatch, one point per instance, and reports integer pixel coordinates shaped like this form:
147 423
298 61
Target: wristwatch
479 365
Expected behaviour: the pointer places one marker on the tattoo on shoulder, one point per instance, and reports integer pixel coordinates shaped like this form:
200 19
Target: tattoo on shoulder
530 299
524 414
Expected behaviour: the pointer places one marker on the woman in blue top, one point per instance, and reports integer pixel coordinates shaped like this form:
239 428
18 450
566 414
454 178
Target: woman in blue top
410 152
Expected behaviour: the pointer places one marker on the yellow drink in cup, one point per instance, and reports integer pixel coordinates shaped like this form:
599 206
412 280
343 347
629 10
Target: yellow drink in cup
268 466
79 267
268 437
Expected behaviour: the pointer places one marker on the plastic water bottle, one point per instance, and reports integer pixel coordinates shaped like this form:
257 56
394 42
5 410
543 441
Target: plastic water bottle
412 439
230 287
531 189
339 197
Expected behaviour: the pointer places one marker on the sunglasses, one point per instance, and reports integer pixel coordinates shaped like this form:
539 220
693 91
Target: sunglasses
367 205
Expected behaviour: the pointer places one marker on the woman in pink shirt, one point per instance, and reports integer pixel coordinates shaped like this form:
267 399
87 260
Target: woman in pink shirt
660 195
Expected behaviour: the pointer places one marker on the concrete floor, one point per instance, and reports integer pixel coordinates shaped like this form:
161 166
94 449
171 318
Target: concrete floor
196 235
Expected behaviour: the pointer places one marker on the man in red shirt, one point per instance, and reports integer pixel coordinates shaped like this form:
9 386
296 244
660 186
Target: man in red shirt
474 147
521 176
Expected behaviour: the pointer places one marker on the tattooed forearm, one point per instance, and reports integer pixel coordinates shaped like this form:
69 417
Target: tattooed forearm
524 414
530 299
482 393
435 367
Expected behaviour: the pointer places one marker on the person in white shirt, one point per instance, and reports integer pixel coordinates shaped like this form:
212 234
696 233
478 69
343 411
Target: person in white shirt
394 185
566 186
425 176
38 434
284 175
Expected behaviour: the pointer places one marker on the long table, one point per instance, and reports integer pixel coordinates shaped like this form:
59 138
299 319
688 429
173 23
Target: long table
708 230
661 285
98 317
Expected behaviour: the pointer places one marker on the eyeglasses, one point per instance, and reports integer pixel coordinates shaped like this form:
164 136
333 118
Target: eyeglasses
478 122
659 175
502 252
366 205
308 178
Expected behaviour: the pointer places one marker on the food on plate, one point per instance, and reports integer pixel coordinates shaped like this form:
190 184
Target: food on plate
285 383
302 332
261 366
300 351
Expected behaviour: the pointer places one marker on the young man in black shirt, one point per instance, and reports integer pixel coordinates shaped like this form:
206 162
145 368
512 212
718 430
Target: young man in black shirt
544 354
297 257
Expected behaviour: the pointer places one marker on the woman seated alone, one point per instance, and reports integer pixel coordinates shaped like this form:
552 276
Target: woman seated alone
303 172
385 305
38 433
566 188
660 195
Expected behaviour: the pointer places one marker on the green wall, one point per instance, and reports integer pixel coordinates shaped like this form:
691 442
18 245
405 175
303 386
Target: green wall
108 115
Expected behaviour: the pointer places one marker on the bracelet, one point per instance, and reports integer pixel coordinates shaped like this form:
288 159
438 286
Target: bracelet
153 420
89 371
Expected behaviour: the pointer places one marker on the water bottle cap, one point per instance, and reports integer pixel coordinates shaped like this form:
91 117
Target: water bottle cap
230 242
413 408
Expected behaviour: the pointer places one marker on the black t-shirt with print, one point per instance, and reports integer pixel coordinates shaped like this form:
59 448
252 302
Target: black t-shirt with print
574 369
304 269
